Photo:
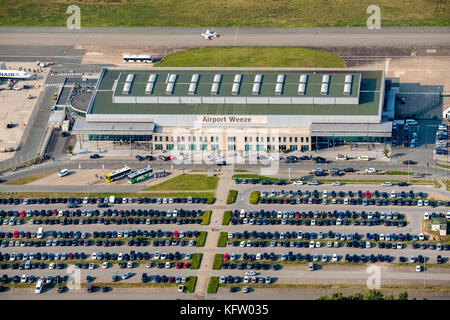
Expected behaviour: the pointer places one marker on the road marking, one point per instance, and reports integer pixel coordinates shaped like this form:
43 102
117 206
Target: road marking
235 36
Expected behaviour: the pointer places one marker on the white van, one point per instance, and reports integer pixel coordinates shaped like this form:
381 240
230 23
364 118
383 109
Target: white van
112 199
39 286
40 233
63 172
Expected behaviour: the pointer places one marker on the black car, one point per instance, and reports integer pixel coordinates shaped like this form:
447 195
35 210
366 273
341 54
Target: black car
140 158
95 156
402 184
61 289
409 162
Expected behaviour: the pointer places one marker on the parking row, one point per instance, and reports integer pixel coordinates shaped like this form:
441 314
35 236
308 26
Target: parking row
111 200
316 222
359 201
106 221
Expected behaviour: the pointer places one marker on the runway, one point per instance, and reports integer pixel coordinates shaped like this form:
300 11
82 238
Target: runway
190 37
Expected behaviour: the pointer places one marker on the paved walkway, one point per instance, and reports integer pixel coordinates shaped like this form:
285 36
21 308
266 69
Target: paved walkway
209 250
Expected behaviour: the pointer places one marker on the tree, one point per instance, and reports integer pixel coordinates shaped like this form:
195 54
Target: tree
386 152
403 296
70 148
373 295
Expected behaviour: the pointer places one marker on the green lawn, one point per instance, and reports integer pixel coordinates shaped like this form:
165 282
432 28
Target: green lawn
253 57
201 239
206 218
254 197
223 13
29 179
213 285
190 284
232 195
196 260
222 242
187 182
226 218
218 259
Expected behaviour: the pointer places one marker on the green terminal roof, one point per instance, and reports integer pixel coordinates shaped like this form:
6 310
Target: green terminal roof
369 95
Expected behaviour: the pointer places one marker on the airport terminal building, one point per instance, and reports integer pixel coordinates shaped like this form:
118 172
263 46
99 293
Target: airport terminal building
249 109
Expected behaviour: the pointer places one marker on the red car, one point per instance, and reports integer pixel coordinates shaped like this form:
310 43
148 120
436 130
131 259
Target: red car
175 234
22 213
55 212
70 256
185 265
226 257
285 201
367 194
16 234
178 265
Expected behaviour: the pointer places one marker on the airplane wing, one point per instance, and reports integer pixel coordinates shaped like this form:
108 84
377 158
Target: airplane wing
3 66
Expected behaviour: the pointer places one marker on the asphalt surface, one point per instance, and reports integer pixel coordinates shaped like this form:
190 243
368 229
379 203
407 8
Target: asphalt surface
190 37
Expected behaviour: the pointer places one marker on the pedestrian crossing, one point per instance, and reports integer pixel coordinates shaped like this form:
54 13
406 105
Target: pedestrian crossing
66 74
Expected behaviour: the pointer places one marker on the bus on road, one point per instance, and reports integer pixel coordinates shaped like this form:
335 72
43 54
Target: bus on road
118 174
140 175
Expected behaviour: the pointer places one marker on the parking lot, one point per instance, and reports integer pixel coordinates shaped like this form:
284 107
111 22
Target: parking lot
279 239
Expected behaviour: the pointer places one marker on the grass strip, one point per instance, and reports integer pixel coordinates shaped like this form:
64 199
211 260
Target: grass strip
222 242
254 197
213 285
206 218
201 239
196 260
218 260
187 182
226 218
232 196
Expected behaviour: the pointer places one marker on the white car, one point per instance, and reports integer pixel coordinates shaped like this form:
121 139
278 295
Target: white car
94 256
371 170
246 279
387 184
24 278
168 265
91 266
105 265
335 258
250 273
313 183
419 202
336 183
298 182
318 244
324 194
311 244
421 237
426 216
330 244
418 268
180 288
368 245
393 194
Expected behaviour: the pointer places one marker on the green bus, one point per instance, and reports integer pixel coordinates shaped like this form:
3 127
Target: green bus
140 175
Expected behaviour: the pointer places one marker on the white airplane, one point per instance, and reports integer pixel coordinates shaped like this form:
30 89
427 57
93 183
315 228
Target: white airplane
13 74
209 35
